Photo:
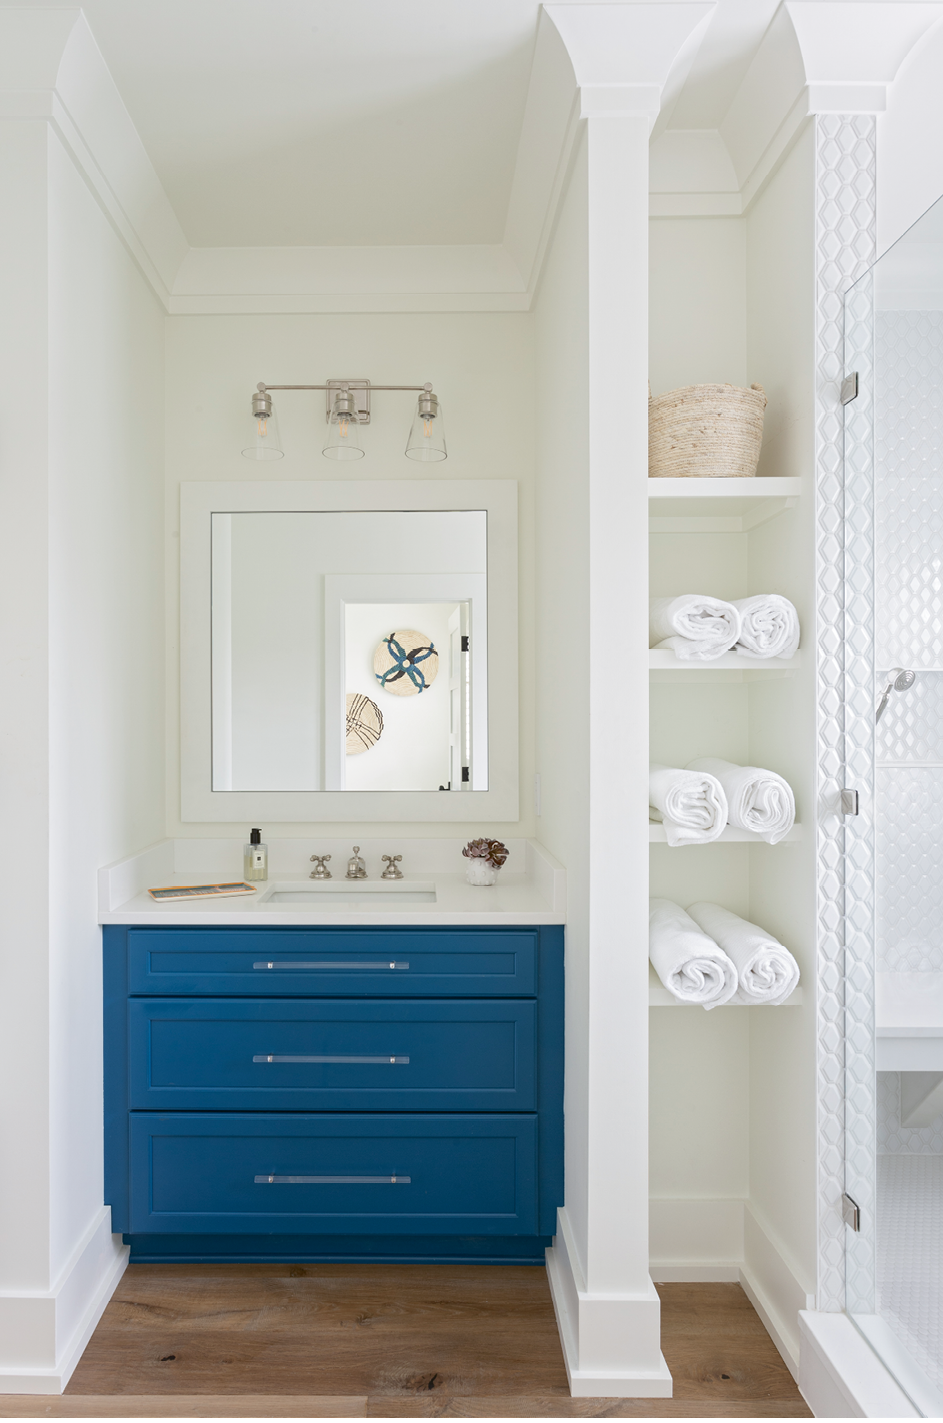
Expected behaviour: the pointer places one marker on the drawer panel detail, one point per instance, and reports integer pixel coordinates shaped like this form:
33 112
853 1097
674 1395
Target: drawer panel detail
326 1055
430 1174
392 962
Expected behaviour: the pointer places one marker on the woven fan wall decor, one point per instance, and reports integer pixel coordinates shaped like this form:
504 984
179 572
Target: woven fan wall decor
406 663
364 723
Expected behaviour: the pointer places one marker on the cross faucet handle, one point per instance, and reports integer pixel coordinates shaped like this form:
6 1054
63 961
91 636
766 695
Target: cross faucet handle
392 870
320 870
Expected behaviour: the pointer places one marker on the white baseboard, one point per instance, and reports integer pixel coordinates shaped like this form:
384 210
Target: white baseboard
840 1375
707 1241
695 1240
711 1272
611 1343
43 1333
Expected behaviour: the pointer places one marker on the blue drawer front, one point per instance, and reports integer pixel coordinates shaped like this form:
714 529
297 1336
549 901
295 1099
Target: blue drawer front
394 963
412 1174
431 1055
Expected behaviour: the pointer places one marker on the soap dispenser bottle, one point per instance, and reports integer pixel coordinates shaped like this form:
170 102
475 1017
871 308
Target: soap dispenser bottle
255 857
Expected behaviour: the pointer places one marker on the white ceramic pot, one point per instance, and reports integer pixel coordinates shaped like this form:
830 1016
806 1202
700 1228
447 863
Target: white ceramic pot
479 871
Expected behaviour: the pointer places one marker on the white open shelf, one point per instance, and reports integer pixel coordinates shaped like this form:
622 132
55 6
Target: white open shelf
729 835
663 660
689 506
659 997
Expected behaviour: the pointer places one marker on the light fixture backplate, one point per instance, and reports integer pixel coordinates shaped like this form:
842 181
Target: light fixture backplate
359 389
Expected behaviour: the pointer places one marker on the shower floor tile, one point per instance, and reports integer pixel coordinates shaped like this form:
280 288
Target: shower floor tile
910 1256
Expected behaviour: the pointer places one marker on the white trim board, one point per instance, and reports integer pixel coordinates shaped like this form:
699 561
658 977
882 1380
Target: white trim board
52 1327
840 1375
722 1241
199 500
604 1335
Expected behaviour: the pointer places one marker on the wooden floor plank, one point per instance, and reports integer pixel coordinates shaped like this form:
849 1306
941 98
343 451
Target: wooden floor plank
556 1407
473 1341
717 1349
164 1405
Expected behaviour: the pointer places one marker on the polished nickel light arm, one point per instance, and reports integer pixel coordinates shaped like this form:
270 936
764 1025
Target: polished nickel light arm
360 389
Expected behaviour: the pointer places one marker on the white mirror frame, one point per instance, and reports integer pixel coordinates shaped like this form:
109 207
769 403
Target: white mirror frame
199 501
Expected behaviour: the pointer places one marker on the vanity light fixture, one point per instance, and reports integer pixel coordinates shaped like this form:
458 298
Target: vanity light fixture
266 443
347 408
343 427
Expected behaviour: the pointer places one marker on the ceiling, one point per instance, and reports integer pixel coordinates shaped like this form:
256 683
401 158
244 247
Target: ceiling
366 122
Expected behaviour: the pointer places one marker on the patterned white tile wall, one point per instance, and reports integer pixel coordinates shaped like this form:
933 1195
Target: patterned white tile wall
844 250
908 437
909 882
911 728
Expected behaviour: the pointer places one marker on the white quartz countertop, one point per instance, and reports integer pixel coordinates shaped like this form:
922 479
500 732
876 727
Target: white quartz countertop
531 893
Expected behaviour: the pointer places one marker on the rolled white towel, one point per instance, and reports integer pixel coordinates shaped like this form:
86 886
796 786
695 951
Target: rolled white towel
692 805
694 627
757 800
766 970
769 626
689 964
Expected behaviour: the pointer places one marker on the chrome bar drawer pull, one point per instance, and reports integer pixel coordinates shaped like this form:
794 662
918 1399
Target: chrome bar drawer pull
262 963
286 1057
333 1180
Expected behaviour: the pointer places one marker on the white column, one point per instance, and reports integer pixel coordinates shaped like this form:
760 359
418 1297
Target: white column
607 1306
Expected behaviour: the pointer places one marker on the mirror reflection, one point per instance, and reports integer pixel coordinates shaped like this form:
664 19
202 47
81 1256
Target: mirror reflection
349 651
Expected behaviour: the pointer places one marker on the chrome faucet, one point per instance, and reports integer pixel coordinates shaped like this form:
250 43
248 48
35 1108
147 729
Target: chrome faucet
320 870
392 870
356 869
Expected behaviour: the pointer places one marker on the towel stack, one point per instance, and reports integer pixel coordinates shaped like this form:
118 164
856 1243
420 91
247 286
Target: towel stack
697 628
709 956
696 803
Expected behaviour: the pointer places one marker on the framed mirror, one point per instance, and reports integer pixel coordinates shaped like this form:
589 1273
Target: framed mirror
349 650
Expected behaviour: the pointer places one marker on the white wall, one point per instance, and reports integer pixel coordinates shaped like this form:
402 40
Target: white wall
780 352
697 332
106 640
482 369
83 706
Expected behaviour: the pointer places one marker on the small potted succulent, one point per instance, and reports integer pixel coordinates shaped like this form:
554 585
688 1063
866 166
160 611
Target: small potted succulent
485 857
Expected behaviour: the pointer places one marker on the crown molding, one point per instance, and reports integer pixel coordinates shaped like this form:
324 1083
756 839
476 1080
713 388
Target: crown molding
233 280
590 61
52 71
817 57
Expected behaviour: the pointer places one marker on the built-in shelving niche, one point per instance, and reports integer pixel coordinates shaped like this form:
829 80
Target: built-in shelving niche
701 532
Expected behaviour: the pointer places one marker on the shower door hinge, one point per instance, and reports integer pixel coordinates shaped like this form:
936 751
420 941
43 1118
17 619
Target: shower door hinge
850 1212
849 802
849 388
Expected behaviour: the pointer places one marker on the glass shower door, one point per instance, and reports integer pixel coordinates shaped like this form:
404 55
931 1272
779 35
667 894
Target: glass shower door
893 580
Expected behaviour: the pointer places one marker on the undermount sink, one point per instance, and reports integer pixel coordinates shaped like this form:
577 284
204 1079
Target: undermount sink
363 892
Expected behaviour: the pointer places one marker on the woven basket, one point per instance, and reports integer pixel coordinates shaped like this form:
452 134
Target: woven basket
705 432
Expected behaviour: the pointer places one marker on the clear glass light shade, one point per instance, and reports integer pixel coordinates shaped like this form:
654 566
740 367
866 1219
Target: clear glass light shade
343 437
266 439
427 435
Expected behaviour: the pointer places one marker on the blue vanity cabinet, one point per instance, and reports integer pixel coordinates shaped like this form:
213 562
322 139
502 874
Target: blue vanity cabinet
334 1094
